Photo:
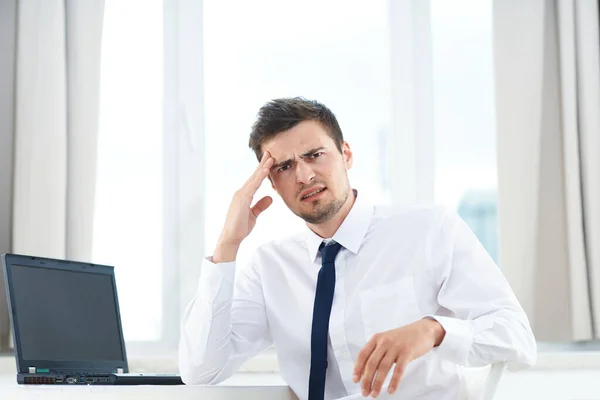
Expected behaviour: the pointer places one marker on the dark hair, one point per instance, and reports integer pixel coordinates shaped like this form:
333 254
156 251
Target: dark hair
279 115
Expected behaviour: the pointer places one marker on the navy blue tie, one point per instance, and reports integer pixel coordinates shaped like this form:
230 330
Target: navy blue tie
320 322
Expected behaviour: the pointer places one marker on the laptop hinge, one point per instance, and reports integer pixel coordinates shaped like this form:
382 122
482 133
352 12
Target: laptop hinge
32 370
119 370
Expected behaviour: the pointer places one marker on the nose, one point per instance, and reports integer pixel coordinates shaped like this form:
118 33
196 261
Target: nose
304 173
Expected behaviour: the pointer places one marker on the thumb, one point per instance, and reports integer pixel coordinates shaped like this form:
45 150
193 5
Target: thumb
261 205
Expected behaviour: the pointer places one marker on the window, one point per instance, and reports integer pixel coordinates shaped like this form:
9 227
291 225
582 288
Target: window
337 52
268 49
464 119
128 221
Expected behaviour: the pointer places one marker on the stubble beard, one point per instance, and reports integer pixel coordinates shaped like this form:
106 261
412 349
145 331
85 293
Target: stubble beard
324 212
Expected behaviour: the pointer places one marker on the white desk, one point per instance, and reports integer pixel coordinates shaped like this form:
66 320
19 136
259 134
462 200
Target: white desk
10 390
241 386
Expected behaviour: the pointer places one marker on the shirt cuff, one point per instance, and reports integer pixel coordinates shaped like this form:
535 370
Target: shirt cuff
458 340
216 280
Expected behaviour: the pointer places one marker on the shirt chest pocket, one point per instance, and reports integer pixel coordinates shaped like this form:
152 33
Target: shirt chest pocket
388 306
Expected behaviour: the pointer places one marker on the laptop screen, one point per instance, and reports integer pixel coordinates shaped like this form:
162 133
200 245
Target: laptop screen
65 315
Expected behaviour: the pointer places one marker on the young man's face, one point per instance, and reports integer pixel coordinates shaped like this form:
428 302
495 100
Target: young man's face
306 160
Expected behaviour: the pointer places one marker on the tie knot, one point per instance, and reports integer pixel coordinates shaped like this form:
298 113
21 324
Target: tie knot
329 251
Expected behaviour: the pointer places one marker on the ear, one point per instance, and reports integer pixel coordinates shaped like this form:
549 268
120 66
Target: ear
347 154
272 184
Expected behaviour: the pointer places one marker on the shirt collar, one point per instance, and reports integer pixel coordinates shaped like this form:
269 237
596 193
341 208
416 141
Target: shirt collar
352 231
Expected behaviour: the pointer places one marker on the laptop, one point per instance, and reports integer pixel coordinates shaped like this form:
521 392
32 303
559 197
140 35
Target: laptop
66 324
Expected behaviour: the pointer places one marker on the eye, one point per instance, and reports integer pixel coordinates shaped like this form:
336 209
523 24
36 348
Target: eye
283 168
317 154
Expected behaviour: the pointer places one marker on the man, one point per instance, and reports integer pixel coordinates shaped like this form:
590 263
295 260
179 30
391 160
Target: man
369 300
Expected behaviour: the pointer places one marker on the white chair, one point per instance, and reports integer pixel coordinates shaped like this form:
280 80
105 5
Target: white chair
481 382
480 387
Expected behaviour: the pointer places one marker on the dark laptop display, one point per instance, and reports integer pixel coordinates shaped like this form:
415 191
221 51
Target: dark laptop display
66 323
66 315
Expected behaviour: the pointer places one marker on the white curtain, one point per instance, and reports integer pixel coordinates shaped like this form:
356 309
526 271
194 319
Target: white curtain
547 100
58 67
56 124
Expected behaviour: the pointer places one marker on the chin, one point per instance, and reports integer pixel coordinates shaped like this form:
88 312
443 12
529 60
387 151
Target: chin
322 212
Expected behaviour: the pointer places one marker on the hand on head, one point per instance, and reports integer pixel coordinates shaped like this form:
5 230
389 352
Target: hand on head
241 216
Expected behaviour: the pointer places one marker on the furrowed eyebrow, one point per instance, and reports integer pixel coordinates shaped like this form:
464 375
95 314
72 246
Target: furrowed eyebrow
289 161
311 152
281 164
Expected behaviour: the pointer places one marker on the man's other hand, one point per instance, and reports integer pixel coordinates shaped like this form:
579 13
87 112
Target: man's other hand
397 346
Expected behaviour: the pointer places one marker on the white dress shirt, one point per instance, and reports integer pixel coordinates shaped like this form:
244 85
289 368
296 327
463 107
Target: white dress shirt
396 267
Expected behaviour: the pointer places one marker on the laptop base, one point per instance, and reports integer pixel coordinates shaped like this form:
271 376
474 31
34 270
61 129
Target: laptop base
99 379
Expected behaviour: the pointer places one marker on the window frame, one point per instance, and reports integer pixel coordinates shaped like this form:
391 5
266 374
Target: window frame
183 170
412 150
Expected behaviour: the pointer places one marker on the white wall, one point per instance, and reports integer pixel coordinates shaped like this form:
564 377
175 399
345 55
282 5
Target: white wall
7 61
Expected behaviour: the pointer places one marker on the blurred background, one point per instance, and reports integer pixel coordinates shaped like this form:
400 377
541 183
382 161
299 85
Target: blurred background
124 131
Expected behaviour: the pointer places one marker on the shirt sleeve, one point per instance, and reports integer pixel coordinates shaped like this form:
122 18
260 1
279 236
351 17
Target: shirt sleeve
224 325
481 315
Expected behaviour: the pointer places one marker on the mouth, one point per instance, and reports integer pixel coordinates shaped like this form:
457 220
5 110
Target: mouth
313 194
